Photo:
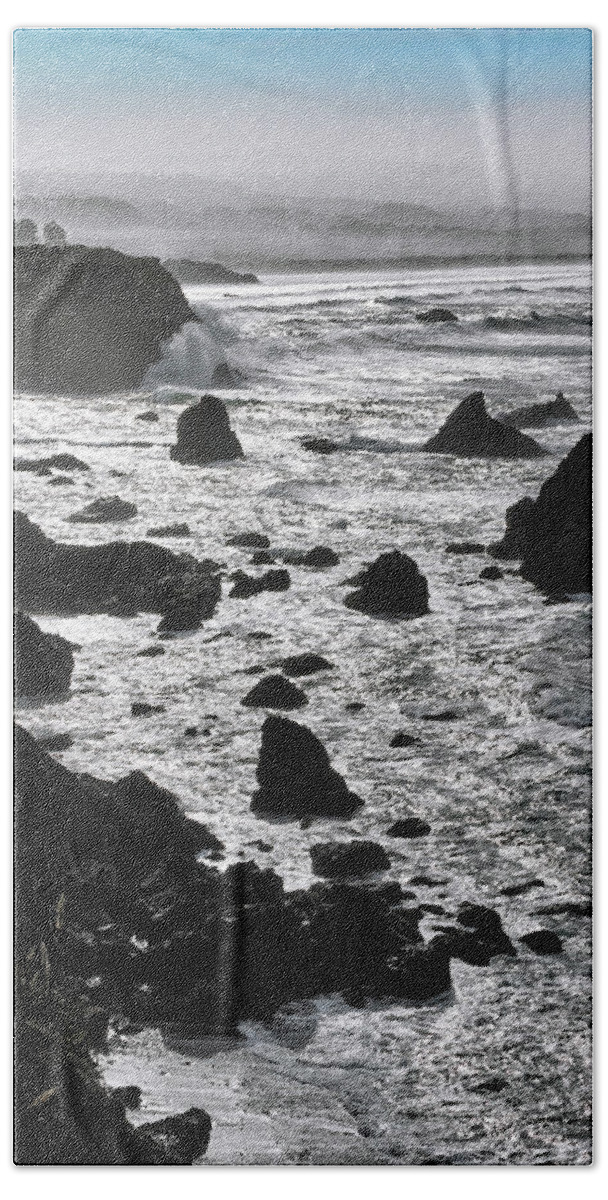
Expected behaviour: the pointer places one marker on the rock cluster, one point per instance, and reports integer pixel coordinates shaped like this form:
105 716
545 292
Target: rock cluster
470 432
391 586
204 434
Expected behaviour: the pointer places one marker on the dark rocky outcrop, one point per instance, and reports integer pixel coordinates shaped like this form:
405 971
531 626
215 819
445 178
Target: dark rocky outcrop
491 573
43 661
470 432
275 692
190 272
478 937
91 320
204 434
552 534
60 462
244 586
252 540
537 415
182 1139
178 530
105 508
52 577
305 664
409 827
543 941
391 586
336 860
295 777
319 445
437 315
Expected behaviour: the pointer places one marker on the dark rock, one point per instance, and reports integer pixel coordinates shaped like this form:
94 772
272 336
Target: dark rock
191 272
262 558
319 445
204 434
108 508
255 669
391 586
90 320
305 664
275 692
295 777
520 889
433 315
354 706
571 908
56 741
537 415
191 731
182 1139
265 847
246 585
543 941
321 556
130 1096
491 573
260 635
253 540
61 481
486 926
465 548
409 827
426 881
43 661
470 433
225 377
492 1085
552 534
401 739
164 531
150 415
343 859
446 714
151 652
60 462
141 709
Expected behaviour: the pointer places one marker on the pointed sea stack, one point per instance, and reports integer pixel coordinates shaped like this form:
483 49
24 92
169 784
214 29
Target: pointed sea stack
470 433
295 776
552 534
204 434
392 586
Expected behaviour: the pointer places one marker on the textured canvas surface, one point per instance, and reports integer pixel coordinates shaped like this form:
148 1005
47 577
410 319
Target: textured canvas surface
302 428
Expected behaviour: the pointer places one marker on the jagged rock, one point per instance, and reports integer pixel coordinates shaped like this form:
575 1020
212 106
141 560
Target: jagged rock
305 664
149 415
275 692
295 777
470 432
319 445
204 434
251 540
151 652
43 661
537 415
465 548
61 462
105 508
491 573
191 272
163 531
91 320
51 577
409 827
182 1139
552 534
481 938
140 709
391 586
343 859
434 315
543 941
246 585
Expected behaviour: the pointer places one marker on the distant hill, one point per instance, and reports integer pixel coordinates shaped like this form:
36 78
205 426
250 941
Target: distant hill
93 211
189 272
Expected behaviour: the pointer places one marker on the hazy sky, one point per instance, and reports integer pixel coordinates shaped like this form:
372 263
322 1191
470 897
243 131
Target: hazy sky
456 117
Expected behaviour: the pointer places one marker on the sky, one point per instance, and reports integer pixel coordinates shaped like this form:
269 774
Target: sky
461 118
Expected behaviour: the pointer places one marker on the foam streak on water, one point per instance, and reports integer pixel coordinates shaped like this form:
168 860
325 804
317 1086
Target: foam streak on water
505 786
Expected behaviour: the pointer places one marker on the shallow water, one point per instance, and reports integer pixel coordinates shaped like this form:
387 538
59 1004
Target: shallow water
504 785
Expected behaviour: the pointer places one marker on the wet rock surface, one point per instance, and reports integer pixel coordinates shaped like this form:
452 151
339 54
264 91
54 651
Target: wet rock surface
295 777
391 586
204 434
470 432
43 661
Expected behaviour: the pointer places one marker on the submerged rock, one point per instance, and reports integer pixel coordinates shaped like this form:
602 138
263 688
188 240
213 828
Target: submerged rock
225 377
305 664
434 315
319 445
275 692
391 586
149 415
251 540
343 859
43 661
162 531
141 709
204 434
401 739
295 777
470 432
409 827
552 534
60 462
106 508
537 415
151 652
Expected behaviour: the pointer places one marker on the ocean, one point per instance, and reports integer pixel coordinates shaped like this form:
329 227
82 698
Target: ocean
498 1071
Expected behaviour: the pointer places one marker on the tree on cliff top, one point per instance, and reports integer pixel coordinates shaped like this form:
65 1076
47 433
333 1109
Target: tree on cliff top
25 232
53 234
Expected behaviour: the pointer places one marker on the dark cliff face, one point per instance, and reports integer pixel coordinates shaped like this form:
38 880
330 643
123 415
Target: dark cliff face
90 321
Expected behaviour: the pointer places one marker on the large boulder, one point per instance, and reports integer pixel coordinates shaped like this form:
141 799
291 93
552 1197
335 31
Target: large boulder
295 777
470 432
204 434
43 661
392 586
552 534
91 320
274 691
537 415
51 577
